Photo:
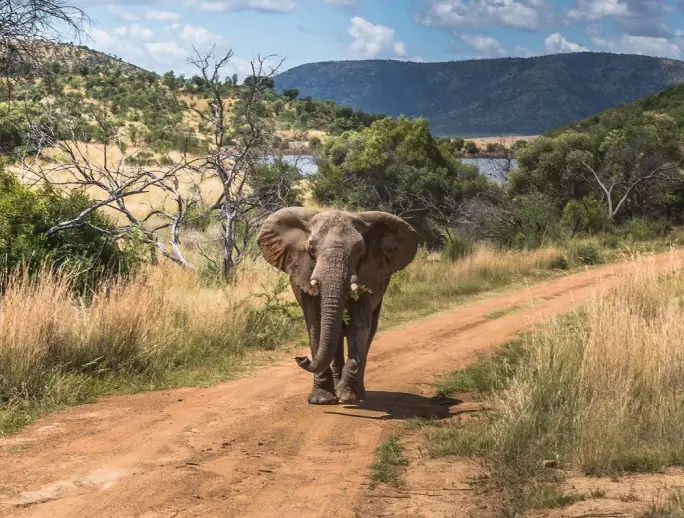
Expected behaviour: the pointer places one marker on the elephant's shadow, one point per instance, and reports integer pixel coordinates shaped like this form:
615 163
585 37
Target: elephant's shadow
402 405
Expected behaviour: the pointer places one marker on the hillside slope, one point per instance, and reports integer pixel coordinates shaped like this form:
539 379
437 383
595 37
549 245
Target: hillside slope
669 101
489 96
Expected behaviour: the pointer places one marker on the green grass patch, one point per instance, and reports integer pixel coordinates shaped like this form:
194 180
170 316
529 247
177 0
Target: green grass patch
498 313
390 463
488 374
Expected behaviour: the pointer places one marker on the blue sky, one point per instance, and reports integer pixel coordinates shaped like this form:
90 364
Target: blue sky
159 35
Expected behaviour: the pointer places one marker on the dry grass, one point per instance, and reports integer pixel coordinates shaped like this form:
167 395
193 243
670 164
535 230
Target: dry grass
169 327
600 390
430 284
162 328
603 389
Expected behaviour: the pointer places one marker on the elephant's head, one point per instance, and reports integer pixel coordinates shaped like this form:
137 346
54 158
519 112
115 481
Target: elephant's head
325 253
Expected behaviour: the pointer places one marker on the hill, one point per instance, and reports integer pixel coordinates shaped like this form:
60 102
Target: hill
489 96
159 111
669 101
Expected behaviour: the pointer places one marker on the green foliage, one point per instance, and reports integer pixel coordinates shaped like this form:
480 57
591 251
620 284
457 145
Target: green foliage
470 147
392 165
486 375
273 321
291 94
533 220
458 247
390 462
25 218
586 252
587 215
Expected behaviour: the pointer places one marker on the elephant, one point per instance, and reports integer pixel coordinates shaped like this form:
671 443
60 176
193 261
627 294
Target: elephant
338 261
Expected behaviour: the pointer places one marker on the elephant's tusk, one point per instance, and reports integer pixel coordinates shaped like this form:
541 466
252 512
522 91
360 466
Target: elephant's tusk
314 282
354 286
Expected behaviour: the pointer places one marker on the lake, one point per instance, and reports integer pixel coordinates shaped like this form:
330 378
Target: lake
491 167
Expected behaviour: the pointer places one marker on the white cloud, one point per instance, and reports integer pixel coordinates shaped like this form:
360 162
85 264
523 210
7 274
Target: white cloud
196 35
167 16
167 52
590 10
526 15
342 3
371 39
643 45
162 56
134 32
555 43
122 16
485 46
267 6
520 51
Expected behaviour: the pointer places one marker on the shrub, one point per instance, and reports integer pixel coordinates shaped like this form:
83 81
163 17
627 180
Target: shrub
25 218
639 229
458 247
586 252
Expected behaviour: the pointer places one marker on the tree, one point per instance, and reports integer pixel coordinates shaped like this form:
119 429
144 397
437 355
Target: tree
291 93
396 166
240 149
263 82
630 160
470 147
623 166
239 156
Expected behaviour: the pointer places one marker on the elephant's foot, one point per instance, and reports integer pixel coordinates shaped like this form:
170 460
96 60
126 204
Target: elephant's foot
346 394
320 396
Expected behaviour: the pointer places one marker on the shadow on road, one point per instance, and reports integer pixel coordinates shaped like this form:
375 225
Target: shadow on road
402 405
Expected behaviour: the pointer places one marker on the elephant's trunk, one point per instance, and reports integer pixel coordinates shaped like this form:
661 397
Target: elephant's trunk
333 292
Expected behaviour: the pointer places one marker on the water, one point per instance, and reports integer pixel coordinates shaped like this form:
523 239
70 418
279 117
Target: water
491 167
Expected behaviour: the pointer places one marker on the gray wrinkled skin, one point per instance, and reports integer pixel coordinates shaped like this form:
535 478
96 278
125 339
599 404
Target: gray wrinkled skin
327 255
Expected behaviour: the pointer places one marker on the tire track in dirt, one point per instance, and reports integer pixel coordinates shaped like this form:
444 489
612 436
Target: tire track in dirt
254 447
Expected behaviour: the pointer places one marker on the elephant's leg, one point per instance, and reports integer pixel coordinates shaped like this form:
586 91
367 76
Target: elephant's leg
338 362
323 392
361 392
350 389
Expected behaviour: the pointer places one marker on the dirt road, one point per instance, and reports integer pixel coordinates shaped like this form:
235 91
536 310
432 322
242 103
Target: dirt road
254 447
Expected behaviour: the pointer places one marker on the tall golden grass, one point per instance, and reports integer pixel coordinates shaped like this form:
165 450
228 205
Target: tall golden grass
168 326
599 390
603 389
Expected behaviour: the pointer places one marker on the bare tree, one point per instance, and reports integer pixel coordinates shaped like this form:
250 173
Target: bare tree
59 158
27 27
254 180
243 143
626 168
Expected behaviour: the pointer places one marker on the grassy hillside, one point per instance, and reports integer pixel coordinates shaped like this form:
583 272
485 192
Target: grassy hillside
670 101
489 96
158 111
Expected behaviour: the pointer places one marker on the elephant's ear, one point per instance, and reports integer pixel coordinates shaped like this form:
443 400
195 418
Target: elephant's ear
283 241
391 242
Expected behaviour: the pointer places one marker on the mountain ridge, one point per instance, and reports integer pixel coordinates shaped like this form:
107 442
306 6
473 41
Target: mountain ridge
487 97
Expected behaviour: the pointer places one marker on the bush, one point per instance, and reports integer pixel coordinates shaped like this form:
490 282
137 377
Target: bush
458 247
25 218
586 252
639 229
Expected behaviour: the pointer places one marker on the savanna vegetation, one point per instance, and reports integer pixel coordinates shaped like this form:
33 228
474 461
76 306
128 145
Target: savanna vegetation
131 202
596 391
